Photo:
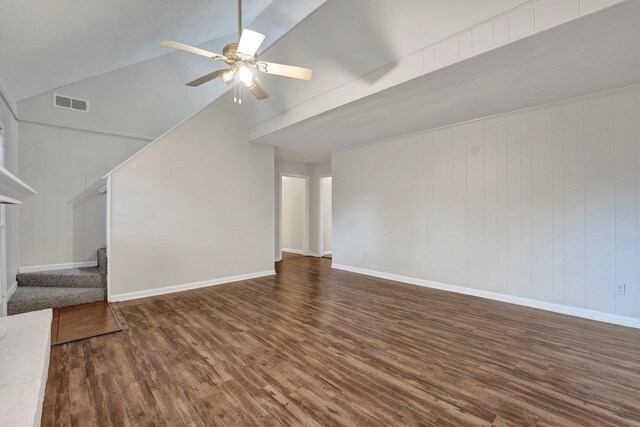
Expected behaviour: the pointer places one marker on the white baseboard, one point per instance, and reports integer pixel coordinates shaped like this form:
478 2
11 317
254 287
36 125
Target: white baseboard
63 266
11 289
188 286
327 253
527 302
293 251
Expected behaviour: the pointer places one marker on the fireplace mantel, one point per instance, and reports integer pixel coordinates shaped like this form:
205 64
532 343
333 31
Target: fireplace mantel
12 189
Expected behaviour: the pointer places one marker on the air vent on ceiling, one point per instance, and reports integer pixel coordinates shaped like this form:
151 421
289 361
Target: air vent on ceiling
69 103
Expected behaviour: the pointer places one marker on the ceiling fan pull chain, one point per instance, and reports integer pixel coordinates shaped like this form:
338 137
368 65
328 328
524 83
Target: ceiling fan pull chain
235 89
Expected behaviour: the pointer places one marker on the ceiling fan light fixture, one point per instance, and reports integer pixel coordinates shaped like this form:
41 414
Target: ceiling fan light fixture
242 59
228 76
246 76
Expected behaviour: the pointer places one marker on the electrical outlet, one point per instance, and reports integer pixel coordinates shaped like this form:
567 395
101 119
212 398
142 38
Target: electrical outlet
621 288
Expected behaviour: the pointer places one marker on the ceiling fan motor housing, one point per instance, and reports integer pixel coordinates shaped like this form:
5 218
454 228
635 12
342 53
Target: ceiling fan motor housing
230 51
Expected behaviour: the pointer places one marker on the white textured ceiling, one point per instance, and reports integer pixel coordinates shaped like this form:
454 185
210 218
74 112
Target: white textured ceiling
592 54
48 44
156 86
347 39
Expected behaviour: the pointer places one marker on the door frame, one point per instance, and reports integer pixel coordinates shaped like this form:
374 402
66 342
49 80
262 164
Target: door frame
4 291
305 233
320 213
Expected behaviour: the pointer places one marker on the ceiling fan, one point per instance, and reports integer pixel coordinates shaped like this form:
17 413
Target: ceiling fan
242 61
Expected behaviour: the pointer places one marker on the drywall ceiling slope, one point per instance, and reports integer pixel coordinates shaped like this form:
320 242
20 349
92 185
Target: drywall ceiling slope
48 44
345 39
592 54
148 98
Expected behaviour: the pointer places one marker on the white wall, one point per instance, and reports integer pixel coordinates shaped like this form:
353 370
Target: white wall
197 206
293 212
540 204
66 221
9 127
326 213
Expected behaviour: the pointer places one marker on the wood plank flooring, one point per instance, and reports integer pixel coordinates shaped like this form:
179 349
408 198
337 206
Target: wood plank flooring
82 321
314 346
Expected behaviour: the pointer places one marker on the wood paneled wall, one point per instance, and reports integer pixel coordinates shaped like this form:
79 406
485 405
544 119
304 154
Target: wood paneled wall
66 221
541 204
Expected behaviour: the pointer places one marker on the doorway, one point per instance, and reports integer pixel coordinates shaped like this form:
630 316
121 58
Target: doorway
325 231
294 214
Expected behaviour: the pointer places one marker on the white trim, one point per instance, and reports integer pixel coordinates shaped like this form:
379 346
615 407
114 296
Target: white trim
11 290
293 251
12 189
527 302
149 139
108 237
51 267
298 251
327 253
321 212
188 286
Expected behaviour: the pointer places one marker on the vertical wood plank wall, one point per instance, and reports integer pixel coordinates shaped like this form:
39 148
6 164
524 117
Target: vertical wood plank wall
541 204
66 221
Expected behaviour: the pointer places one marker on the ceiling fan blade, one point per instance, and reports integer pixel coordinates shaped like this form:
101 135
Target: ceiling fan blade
208 77
258 90
250 42
191 49
285 70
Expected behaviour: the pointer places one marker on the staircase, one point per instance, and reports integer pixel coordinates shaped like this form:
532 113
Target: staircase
60 288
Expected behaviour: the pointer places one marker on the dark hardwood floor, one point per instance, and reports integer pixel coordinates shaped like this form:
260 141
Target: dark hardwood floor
313 346
82 321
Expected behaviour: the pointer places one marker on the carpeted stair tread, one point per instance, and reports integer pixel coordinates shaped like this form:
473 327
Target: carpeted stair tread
88 277
32 298
60 288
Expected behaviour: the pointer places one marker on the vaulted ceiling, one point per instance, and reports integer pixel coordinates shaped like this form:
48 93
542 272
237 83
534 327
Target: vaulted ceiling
48 44
354 47
590 55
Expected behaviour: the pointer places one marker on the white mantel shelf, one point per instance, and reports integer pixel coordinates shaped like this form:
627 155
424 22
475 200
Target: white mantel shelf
12 189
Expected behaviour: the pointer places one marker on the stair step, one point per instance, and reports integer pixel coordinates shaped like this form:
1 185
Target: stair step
33 298
88 277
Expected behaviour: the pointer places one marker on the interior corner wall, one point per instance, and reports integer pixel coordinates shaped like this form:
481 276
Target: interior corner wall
65 222
10 133
193 209
539 204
